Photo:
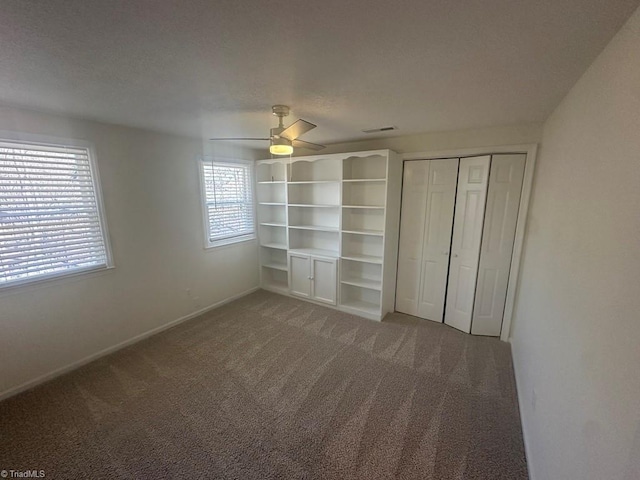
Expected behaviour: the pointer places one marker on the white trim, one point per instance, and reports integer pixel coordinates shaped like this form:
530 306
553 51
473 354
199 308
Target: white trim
208 244
45 140
531 151
521 402
45 279
77 364
470 152
102 213
516 256
230 241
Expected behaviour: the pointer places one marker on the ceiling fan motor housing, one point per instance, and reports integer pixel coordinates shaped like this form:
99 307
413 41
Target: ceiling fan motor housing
279 145
276 131
280 110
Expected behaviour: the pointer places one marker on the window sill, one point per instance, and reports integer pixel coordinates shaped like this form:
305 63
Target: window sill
229 242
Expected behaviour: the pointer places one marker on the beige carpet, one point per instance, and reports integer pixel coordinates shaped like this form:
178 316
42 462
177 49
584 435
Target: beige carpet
269 387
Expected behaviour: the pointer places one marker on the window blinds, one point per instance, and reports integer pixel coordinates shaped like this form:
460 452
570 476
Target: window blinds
49 217
228 200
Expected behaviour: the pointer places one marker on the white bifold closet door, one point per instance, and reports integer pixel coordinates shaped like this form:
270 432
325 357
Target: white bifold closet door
428 198
503 203
468 221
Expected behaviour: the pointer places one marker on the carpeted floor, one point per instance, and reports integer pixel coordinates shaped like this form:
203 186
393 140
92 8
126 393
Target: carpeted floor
270 387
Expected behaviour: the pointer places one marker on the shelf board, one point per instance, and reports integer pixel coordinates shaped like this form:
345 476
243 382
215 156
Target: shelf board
272 224
306 205
277 246
373 207
378 233
364 283
362 306
276 266
272 182
372 180
363 258
315 251
308 182
315 228
280 204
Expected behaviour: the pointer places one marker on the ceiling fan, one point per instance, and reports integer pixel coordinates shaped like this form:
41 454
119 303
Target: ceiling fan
282 140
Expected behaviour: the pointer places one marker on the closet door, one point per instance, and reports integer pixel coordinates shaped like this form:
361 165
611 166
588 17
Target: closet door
428 200
441 195
503 202
465 245
414 206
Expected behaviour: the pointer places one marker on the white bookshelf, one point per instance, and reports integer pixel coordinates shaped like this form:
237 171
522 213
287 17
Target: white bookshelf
365 167
326 193
321 217
271 193
338 206
271 171
313 194
316 169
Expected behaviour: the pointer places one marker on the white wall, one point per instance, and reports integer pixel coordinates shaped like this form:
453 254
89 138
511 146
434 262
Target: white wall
151 194
576 336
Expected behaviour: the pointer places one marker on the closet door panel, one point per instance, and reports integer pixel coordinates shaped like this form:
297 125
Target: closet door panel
465 245
503 202
414 204
441 192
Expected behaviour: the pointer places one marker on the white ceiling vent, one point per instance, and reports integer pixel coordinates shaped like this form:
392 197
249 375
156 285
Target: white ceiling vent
381 129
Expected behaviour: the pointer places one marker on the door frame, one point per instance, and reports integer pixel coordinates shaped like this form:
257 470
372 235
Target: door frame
530 150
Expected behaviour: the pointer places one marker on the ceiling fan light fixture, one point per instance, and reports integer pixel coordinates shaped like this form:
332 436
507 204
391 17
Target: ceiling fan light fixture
280 146
281 149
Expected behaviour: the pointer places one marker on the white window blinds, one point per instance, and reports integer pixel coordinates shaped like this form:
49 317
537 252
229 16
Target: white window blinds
228 202
49 217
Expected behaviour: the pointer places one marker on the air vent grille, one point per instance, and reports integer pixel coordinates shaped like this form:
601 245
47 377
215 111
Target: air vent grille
381 129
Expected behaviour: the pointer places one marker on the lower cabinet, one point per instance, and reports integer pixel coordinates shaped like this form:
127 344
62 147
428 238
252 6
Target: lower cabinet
313 277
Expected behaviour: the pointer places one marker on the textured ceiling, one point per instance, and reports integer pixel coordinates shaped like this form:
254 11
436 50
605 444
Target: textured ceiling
214 68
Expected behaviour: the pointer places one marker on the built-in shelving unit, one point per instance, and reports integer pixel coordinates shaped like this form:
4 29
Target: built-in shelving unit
340 206
271 190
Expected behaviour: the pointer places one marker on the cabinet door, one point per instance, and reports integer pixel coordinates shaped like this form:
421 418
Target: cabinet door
300 275
465 244
503 201
323 276
441 197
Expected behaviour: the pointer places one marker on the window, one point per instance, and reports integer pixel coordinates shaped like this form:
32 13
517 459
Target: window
50 223
228 202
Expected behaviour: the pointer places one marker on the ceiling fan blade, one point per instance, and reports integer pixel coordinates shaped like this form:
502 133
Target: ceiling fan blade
297 128
309 145
217 139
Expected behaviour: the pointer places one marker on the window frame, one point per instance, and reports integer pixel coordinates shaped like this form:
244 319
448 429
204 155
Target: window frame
53 141
208 244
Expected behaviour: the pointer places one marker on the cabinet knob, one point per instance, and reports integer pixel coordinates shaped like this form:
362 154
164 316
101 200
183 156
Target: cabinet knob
455 254
445 253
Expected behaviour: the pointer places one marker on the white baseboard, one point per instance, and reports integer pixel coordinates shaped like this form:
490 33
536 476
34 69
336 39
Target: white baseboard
519 393
72 366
